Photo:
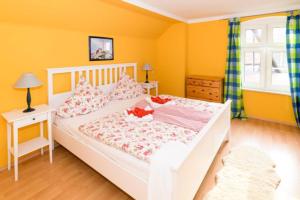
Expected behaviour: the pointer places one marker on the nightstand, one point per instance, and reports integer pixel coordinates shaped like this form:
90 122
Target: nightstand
151 85
17 119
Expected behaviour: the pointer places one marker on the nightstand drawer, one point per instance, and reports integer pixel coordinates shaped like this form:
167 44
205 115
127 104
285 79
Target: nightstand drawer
31 120
148 86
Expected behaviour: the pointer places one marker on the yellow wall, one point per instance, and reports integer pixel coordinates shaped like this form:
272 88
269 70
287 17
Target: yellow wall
171 60
207 48
273 107
207 44
35 35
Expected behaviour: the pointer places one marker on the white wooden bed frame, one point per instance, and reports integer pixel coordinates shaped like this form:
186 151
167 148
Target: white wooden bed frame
187 176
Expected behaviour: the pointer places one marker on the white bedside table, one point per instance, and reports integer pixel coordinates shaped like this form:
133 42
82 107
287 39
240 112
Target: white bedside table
17 119
151 85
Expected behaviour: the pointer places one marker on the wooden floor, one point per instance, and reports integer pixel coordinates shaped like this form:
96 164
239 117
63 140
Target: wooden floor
70 178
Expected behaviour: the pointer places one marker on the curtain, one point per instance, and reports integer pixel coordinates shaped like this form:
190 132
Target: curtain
293 55
233 84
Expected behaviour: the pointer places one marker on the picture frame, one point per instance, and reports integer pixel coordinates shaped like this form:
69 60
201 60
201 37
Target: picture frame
101 48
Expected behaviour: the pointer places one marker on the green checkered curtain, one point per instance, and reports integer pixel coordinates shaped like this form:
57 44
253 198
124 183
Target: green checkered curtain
233 85
293 55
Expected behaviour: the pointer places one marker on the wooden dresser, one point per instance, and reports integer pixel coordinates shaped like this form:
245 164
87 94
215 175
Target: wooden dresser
205 88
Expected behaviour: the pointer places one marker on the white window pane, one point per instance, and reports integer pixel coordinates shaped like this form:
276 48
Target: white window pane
279 35
252 67
252 74
248 58
280 76
253 36
256 58
279 59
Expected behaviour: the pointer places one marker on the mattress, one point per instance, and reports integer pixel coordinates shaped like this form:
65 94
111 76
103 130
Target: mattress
70 125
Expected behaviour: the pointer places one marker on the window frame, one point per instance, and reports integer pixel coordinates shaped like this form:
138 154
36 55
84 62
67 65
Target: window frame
266 47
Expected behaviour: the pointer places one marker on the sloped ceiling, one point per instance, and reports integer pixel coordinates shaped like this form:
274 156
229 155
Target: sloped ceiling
94 16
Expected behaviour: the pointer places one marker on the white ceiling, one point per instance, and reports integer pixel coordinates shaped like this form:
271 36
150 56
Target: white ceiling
204 10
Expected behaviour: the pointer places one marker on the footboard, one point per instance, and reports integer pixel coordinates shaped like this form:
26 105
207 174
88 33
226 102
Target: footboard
189 174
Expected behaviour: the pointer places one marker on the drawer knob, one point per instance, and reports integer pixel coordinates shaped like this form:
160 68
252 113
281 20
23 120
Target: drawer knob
33 118
194 91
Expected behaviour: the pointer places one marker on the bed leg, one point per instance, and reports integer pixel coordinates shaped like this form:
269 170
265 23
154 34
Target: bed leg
53 144
227 138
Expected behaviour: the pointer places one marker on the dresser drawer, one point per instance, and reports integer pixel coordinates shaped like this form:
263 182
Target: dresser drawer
209 83
204 93
209 91
193 91
31 120
195 82
212 97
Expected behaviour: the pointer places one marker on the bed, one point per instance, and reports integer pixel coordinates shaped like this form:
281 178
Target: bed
128 173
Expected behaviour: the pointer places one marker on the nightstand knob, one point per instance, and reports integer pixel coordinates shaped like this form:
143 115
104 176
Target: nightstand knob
33 118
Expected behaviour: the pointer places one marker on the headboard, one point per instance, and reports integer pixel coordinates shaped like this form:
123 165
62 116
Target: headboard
104 76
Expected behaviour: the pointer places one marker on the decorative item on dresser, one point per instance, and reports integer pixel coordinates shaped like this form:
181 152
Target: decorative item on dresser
206 88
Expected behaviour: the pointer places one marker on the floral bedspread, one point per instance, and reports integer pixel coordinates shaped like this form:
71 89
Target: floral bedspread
142 139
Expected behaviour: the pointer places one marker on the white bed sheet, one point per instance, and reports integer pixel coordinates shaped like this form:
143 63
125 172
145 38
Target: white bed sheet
70 125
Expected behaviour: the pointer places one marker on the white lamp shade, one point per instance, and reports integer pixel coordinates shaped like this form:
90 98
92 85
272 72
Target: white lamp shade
28 80
147 67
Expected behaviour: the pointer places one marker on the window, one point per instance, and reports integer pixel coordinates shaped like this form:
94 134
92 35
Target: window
264 59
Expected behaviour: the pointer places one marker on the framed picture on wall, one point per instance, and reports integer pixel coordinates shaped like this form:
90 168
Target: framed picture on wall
101 48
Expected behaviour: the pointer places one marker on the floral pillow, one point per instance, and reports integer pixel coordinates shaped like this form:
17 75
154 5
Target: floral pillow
86 99
74 106
126 88
83 87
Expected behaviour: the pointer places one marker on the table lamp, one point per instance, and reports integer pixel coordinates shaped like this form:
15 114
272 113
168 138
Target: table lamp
147 67
28 80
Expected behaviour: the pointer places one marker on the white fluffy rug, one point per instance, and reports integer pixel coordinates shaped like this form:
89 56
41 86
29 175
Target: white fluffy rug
248 174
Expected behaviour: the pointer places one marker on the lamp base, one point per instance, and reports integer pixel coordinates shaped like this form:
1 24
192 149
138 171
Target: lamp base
28 110
147 81
28 99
